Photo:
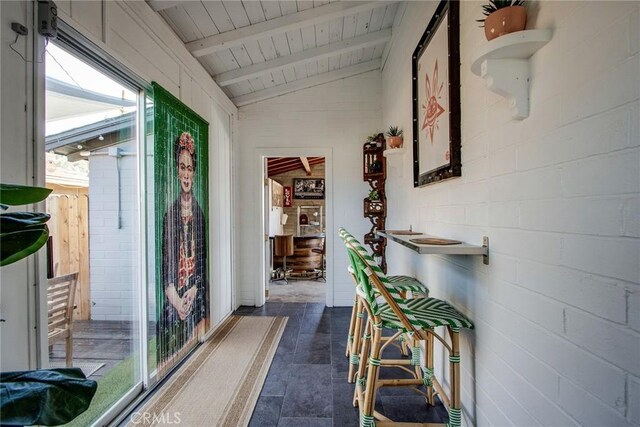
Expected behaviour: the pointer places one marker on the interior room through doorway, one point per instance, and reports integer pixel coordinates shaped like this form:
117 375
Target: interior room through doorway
296 224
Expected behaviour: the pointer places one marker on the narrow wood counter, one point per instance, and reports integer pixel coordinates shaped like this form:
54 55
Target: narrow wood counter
404 238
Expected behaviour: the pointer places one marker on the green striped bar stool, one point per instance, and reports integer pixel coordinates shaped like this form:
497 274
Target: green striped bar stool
403 284
417 317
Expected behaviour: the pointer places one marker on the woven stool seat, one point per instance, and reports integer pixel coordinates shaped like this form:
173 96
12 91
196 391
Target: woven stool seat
429 313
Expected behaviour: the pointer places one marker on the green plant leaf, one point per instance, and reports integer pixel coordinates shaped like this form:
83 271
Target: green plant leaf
19 244
14 195
16 221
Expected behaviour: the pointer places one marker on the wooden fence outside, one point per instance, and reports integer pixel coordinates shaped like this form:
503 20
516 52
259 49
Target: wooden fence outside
69 229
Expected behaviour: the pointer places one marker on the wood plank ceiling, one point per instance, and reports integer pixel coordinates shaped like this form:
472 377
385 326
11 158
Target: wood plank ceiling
257 50
278 165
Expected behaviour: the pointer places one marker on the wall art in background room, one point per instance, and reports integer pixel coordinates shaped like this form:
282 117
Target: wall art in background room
276 194
436 98
308 188
287 197
181 187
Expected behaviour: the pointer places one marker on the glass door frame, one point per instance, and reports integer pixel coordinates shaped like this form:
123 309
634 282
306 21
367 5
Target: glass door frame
80 46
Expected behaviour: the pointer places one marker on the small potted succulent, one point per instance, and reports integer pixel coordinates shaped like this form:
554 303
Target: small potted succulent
503 17
373 195
394 137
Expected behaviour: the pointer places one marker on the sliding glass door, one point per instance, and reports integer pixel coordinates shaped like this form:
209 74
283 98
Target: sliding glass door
93 149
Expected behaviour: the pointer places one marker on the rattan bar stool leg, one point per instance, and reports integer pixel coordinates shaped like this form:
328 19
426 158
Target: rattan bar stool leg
352 325
354 358
455 410
427 372
365 347
367 409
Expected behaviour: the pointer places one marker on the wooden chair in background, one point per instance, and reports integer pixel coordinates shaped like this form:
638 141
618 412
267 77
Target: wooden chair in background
60 300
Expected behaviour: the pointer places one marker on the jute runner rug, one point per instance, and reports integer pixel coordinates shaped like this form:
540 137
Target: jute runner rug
220 383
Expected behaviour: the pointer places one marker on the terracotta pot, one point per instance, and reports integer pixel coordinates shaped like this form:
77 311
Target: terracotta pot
394 141
504 21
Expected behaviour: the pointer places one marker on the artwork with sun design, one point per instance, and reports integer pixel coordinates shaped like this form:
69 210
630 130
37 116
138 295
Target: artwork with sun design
436 99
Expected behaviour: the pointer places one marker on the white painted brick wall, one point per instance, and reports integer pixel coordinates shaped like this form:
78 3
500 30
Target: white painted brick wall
339 115
557 339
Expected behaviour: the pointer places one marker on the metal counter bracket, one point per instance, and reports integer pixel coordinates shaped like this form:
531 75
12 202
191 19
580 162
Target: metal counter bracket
485 244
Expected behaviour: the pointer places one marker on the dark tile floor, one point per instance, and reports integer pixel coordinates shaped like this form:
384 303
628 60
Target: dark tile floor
307 382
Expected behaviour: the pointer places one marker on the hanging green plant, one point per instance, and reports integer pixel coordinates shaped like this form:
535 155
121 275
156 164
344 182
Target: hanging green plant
48 397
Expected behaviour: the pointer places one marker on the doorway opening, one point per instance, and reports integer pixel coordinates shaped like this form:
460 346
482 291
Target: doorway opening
295 221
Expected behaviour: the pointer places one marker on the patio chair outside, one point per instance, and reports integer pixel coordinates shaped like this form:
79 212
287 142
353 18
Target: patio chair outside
60 299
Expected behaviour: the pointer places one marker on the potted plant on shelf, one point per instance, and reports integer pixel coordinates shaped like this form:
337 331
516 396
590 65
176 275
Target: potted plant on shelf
503 17
394 137
373 204
375 140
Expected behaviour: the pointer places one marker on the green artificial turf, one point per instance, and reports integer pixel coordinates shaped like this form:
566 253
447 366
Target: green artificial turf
111 387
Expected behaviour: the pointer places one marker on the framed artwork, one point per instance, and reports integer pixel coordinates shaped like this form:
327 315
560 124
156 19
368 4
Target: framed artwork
308 188
276 194
287 197
436 98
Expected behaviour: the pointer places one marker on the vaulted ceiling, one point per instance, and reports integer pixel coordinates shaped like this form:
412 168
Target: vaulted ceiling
257 50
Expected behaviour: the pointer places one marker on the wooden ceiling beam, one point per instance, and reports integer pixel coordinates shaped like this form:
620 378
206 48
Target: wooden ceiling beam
304 57
294 21
294 162
305 164
281 170
158 5
296 85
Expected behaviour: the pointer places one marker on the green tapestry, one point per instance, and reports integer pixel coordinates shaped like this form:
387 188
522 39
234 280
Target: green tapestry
181 219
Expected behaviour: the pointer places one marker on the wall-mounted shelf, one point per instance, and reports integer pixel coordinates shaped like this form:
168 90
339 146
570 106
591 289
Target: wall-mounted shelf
309 221
459 249
374 172
393 152
504 64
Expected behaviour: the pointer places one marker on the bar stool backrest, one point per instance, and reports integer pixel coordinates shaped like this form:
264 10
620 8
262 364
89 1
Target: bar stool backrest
376 277
363 280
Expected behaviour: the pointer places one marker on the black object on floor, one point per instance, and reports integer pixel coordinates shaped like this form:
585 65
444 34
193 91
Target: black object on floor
307 382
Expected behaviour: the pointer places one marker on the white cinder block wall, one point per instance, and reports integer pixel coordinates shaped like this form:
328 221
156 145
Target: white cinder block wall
557 312
338 115
114 240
